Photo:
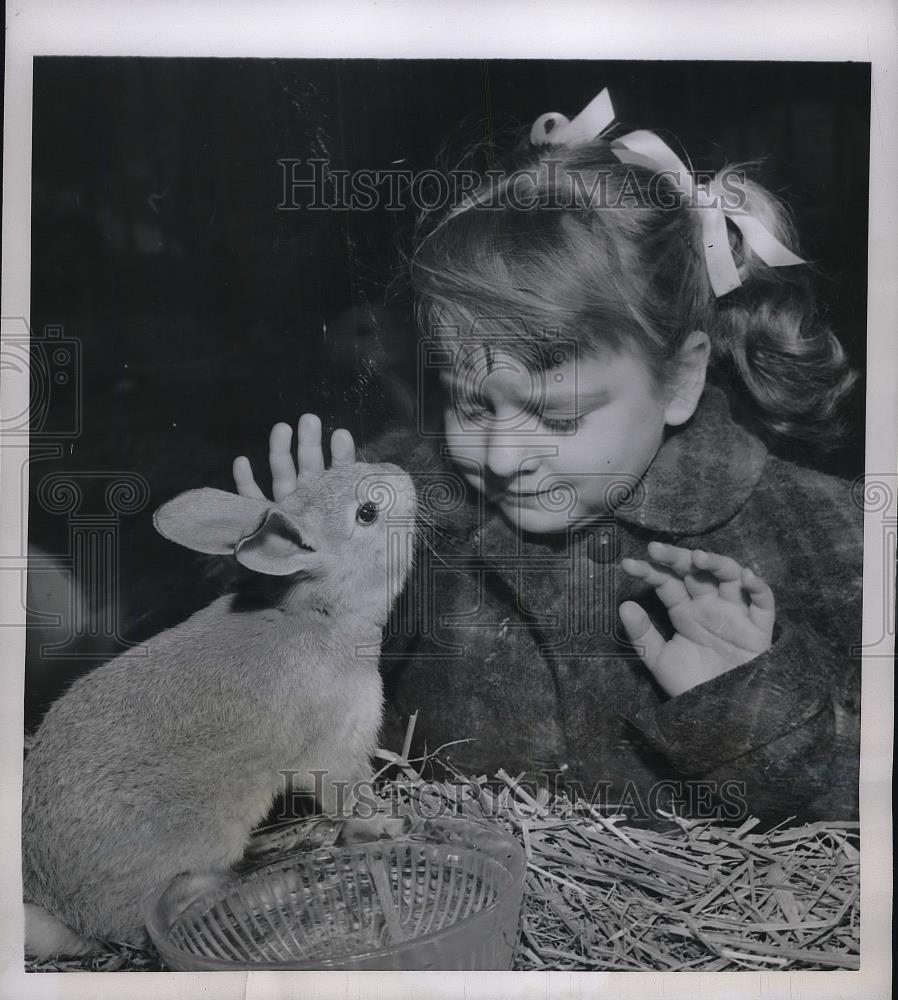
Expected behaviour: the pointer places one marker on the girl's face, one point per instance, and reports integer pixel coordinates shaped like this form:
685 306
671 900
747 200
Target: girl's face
549 447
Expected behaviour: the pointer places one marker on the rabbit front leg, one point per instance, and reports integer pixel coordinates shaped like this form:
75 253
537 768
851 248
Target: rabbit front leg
349 795
346 786
336 787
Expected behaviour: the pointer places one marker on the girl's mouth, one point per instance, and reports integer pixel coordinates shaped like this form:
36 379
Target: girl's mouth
506 496
517 496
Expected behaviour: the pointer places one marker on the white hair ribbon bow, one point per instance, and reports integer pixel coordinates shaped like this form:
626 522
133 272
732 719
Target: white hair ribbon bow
645 149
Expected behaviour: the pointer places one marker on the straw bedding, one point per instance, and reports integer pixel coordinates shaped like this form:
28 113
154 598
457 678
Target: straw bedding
603 894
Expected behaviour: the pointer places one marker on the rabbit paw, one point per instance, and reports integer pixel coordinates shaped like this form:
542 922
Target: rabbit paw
360 831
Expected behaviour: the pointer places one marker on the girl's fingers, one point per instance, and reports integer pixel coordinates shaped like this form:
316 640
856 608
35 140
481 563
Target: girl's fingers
668 586
310 458
727 571
244 479
678 559
762 608
698 585
723 567
641 632
283 472
342 448
308 453
701 573
681 562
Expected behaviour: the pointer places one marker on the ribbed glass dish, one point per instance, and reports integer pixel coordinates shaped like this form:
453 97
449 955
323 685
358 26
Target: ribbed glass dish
445 896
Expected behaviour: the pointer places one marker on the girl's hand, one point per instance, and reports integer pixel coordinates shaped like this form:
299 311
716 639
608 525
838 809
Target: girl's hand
723 614
309 457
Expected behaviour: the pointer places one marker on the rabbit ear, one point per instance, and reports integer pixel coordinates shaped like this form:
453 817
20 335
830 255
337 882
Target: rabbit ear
276 547
209 520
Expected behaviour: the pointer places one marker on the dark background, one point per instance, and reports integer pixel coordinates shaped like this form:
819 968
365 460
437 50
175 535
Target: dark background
204 314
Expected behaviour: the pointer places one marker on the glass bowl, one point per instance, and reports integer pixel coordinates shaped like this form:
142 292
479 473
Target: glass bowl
445 895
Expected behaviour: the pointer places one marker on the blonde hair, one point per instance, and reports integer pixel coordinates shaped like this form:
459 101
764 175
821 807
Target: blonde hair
610 256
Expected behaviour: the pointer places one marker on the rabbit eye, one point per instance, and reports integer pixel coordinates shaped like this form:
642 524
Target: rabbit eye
367 513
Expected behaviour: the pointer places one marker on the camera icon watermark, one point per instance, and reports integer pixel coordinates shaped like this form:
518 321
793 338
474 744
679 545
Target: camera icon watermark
82 584
447 616
387 503
54 366
877 496
542 370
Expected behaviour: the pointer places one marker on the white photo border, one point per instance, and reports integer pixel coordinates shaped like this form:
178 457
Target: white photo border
845 30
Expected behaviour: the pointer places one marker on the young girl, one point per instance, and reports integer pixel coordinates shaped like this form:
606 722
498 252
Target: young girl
623 583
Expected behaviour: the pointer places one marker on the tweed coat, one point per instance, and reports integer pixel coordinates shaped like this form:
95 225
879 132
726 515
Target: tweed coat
513 643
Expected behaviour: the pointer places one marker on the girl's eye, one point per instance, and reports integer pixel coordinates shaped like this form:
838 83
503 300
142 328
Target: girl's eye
367 513
471 412
561 423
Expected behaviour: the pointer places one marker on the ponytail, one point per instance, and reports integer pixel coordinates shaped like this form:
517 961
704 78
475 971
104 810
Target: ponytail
771 336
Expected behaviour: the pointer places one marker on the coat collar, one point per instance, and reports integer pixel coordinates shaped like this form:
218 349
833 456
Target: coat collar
702 475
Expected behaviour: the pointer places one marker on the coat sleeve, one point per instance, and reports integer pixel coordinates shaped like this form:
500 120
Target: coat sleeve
786 725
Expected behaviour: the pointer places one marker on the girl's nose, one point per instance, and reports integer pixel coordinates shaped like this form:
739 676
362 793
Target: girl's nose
504 457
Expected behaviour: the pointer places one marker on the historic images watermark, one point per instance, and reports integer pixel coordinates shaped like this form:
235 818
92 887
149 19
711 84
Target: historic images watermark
316 185
700 799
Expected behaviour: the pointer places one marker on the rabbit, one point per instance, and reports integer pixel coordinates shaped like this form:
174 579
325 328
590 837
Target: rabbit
159 764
